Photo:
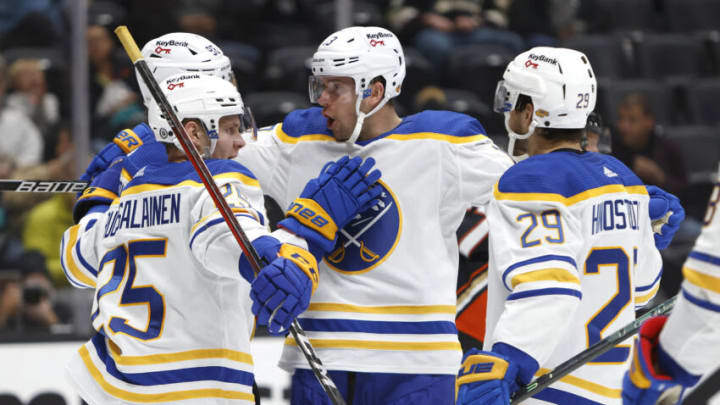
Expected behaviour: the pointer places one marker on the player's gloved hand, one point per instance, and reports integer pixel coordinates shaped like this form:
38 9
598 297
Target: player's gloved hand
328 202
267 248
147 154
282 289
124 142
662 204
653 372
104 188
486 378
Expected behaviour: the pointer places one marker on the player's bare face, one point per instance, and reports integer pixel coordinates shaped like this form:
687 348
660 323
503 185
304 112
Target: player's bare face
229 138
338 102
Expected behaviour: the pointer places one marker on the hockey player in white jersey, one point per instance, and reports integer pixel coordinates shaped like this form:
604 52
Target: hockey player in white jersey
172 308
572 252
676 351
382 319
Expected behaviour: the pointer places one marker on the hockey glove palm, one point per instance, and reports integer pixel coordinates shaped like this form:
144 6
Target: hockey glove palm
662 205
331 200
486 378
124 142
282 289
645 383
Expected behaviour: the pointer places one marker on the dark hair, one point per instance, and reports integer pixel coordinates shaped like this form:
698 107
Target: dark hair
637 98
561 134
522 101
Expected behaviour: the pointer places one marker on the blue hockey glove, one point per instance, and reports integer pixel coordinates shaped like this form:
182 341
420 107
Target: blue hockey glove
646 382
267 248
666 214
328 202
486 378
102 191
124 142
146 155
283 288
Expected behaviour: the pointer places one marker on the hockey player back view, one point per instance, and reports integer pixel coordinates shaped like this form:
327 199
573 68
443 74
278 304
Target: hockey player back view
572 253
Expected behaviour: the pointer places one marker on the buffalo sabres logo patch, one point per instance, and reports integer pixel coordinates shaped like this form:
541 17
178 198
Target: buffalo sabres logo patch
369 238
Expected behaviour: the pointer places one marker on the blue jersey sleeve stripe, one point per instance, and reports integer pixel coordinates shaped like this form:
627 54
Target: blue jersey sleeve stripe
534 260
544 291
700 302
651 285
703 257
556 396
191 374
84 262
215 222
384 327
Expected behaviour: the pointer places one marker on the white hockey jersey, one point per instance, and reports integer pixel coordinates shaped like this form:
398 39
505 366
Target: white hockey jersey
386 297
691 335
171 308
572 256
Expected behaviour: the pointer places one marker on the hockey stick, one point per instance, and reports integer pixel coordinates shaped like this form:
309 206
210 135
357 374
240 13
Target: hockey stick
590 353
43 186
303 342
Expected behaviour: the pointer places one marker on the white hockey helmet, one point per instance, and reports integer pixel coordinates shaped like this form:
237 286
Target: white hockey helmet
560 82
361 53
183 52
203 97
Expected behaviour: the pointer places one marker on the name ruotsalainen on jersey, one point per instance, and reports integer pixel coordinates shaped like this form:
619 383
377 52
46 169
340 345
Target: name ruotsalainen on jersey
161 259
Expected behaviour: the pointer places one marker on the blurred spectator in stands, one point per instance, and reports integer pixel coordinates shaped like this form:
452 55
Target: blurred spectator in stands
53 217
655 159
541 22
116 105
58 162
198 17
29 94
22 143
31 23
25 289
437 26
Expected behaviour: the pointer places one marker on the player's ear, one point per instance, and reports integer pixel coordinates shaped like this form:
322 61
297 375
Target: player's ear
527 113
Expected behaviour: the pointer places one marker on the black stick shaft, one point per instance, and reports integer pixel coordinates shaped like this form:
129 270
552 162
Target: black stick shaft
222 205
590 353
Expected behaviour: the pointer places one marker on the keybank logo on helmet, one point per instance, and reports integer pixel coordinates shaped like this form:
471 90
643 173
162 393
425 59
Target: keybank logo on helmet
183 77
172 42
543 58
379 35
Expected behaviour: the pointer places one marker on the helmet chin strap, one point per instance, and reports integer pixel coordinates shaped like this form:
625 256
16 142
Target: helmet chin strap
515 136
361 118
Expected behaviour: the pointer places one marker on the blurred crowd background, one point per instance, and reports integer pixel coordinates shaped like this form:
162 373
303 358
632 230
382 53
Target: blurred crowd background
657 62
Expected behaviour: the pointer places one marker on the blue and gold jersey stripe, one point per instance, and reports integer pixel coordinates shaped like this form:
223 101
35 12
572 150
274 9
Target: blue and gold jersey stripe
377 345
141 188
383 309
571 200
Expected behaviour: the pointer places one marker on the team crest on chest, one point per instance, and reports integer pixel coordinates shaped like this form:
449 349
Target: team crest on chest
369 238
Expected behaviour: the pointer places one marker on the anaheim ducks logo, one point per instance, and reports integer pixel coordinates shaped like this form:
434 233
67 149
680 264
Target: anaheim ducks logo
369 238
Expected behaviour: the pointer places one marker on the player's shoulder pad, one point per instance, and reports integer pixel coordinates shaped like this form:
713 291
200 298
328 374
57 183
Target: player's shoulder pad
565 173
309 121
448 123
